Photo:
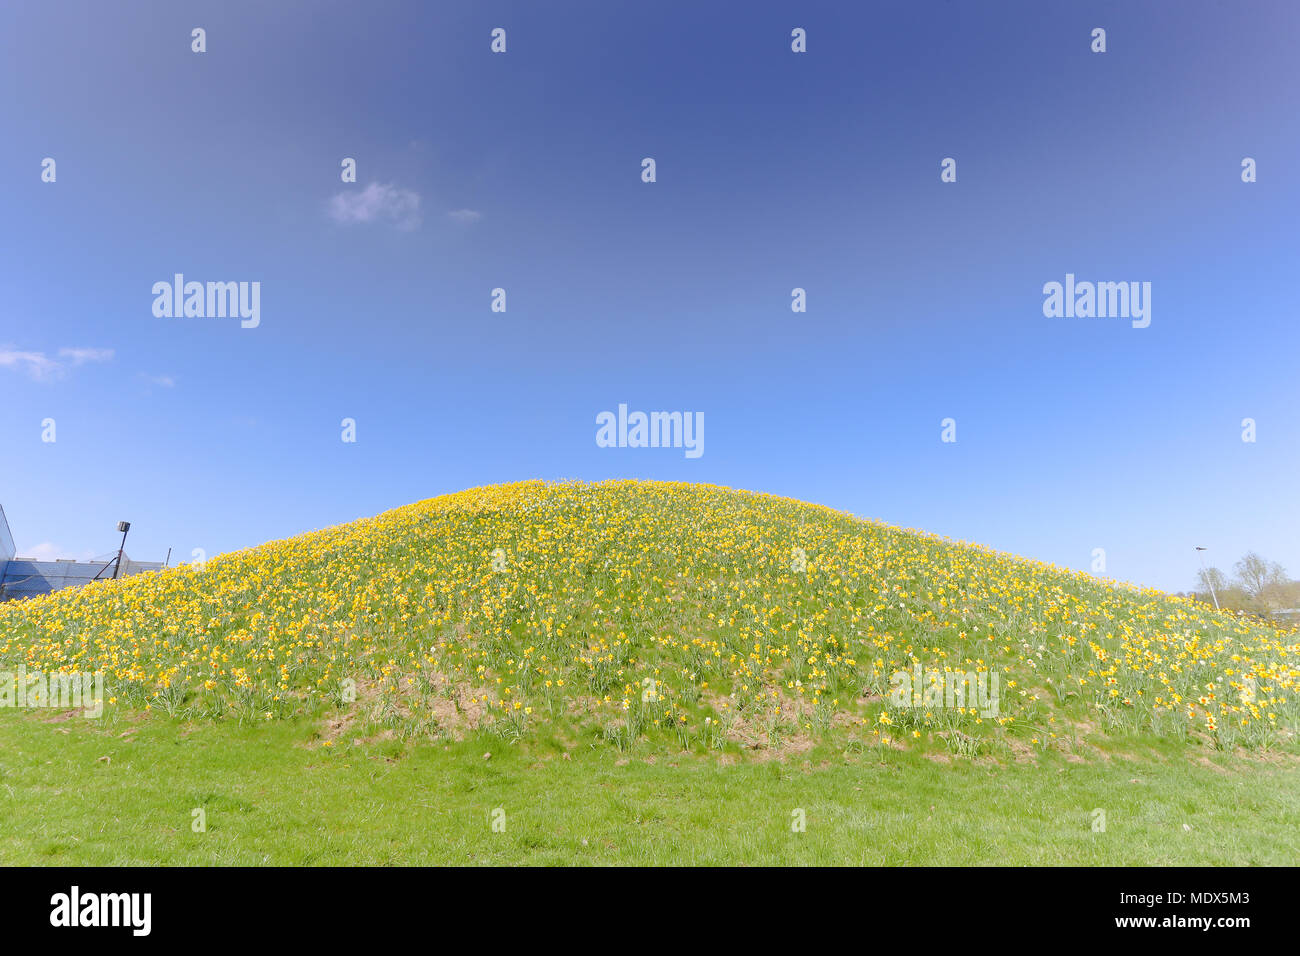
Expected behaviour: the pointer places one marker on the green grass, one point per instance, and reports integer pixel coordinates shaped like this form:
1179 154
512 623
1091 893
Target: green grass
274 796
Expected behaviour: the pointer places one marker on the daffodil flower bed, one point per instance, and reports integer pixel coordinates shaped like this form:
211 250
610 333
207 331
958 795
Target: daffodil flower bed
701 616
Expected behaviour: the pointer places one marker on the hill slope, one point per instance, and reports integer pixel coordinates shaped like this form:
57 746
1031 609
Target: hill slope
686 615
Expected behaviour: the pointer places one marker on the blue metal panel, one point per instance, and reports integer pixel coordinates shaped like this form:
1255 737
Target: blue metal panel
22 578
6 544
6 539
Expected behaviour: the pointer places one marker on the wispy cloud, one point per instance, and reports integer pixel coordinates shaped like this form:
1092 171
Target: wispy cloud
465 216
48 551
36 364
162 381
41 368
377 203
82 356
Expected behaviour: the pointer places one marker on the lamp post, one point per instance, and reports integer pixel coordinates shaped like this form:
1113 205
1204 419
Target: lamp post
1206 575
124 527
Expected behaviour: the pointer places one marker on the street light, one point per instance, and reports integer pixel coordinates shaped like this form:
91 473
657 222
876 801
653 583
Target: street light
1206 575
124 527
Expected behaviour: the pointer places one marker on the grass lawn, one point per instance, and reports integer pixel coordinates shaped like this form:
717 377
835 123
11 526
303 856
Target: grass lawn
273 795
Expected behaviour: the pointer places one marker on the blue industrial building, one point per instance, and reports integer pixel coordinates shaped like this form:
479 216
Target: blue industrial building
26 577
6 543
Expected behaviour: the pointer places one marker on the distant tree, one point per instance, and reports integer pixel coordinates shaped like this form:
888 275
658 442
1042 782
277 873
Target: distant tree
1263 581
1212 579
1258 586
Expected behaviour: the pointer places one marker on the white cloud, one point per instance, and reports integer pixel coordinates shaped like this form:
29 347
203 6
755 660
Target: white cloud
162 381
81 356
37 365
41 368
377 203
48 551
465 216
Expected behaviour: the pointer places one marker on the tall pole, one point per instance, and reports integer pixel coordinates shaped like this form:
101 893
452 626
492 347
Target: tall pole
1205 574
124 527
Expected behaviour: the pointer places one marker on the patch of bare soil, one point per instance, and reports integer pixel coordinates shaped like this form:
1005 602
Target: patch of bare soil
1022 752
753 736
454 705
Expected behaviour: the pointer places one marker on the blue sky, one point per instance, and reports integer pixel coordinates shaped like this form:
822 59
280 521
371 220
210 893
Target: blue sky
775 170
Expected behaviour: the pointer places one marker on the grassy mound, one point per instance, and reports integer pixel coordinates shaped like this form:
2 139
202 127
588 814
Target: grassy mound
670 615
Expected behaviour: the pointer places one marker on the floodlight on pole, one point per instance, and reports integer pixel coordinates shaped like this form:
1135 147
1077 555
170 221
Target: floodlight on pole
124 527
1208 579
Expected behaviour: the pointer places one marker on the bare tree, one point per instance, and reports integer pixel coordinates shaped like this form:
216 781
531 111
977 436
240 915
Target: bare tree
1262 580
1212 580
